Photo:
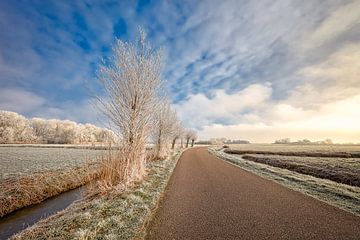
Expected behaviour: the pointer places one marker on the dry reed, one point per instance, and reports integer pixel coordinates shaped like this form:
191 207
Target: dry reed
24 191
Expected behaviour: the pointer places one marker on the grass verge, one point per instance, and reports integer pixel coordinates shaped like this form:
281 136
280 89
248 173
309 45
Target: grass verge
337 194
24 191
115 215
335 169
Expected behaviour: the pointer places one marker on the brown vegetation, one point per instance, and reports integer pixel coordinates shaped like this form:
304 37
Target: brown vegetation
23 191
335 173
114 215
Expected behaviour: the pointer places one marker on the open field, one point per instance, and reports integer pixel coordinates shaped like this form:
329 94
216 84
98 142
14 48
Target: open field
21 161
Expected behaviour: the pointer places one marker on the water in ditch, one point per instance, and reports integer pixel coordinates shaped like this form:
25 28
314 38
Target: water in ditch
23 218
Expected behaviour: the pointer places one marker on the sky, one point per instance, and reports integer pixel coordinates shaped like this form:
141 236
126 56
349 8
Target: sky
255 70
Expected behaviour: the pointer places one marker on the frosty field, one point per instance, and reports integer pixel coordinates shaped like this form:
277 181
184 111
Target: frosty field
20 161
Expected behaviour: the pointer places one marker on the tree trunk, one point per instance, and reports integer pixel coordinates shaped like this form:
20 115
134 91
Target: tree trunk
173 143
159 145
192 142
187 143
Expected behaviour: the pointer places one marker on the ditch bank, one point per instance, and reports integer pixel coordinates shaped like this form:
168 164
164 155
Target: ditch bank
28 216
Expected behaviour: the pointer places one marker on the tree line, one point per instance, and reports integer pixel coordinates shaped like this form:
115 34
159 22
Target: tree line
15 128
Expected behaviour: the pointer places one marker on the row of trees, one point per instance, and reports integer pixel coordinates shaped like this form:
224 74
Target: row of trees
303 142
15 128
136 105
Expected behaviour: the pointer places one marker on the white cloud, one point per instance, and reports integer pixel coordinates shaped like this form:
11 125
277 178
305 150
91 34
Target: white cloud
199 109
31 105
19 100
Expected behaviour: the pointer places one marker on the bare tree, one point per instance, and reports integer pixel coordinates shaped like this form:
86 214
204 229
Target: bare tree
177 134
165 124
193 138
131 82
190 135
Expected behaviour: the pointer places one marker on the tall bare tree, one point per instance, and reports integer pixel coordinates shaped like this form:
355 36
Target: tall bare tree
131 82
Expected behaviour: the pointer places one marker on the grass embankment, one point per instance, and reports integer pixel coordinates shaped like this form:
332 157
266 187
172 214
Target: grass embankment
115 215
22 191
341 195
341 170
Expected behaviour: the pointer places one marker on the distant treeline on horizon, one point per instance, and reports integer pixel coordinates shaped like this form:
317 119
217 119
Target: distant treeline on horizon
15 128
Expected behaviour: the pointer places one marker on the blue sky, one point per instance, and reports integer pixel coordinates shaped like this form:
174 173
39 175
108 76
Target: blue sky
255 70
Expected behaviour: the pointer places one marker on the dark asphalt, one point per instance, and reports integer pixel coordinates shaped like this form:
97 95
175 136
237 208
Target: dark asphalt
208 198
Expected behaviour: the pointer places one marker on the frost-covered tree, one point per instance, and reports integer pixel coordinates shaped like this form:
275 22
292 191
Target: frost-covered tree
177 133
193 138
15 128
164 125
190 135
131 82
12 126
39 127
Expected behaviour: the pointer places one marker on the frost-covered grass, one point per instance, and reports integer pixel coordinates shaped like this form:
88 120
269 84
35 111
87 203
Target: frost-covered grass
341 170
116 215
23 161
337 194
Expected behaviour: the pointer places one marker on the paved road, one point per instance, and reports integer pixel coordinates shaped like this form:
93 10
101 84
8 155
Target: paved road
208 198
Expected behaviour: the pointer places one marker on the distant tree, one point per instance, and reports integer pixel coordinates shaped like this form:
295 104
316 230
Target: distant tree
165 125
177 134
15 128
282 141
12 126
193 138
39 127
190 135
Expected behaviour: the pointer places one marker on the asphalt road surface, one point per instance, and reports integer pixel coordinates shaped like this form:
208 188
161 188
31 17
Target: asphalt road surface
208 198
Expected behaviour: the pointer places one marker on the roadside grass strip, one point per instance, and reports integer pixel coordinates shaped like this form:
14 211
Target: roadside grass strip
337 194
116 215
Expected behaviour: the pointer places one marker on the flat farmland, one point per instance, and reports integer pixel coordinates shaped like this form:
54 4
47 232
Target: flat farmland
297 148
23 161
